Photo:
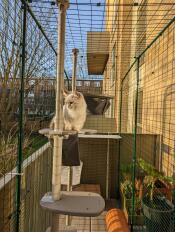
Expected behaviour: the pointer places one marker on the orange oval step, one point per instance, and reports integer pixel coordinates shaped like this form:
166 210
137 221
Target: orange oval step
116 221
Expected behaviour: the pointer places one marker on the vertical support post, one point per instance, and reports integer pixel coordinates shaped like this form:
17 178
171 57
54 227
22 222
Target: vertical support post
58 126
120 130
135 143
107 169
121 101
75 54
70 173
69 188
21 110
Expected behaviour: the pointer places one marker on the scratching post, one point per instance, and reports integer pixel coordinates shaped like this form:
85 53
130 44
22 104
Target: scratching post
75 55
57 145
58 126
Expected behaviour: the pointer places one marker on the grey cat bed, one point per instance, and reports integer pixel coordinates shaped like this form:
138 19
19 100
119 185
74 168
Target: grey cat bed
97 104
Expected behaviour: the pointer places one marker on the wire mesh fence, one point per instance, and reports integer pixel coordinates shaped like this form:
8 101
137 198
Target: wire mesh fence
9 92
38 107
147 146
136 98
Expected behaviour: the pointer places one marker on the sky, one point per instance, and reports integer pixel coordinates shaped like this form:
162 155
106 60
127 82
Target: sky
82 16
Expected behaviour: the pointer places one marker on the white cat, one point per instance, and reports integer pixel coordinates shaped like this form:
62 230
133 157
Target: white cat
74 111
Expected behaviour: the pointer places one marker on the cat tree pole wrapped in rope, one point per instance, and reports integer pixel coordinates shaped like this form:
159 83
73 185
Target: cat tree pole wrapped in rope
58 140
75 55
57 147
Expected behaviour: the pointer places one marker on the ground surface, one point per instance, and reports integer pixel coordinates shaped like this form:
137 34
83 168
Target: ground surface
97 224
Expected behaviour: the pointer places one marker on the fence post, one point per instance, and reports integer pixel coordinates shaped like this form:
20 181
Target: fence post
120 112
120 130
135 142
21 110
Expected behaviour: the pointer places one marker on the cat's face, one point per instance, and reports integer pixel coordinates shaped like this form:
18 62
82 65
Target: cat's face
72 99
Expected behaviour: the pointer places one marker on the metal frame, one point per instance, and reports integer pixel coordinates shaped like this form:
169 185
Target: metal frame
21 109
136 62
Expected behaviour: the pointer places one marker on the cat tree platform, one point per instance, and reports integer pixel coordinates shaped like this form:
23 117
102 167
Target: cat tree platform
76 203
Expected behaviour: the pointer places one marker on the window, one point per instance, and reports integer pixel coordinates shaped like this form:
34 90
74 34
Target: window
79 83
86 83
96 84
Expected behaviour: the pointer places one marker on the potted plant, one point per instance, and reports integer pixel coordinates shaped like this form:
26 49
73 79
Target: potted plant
157 209
137 217
126 182
126 192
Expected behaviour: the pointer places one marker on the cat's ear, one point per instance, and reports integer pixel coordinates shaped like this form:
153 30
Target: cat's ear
65 92
78 94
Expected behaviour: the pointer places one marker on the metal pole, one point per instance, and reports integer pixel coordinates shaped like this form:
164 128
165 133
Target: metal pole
121 102
75 54
69 188
57 146
120 130
135 145
107 169
21 110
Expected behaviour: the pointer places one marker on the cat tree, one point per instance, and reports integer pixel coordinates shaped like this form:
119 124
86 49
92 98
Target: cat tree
75 203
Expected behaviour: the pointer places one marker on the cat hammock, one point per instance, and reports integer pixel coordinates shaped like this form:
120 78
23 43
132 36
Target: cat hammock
97 104
60 202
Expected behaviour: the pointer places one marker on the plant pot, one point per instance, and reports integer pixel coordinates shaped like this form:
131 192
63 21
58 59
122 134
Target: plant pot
126 206
159 214
138 220
163 188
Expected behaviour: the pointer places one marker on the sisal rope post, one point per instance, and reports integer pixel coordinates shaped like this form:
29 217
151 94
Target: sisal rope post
75 52
58 126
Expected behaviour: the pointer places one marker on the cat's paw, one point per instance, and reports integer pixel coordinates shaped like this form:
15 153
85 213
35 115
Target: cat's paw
68 128
76 129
